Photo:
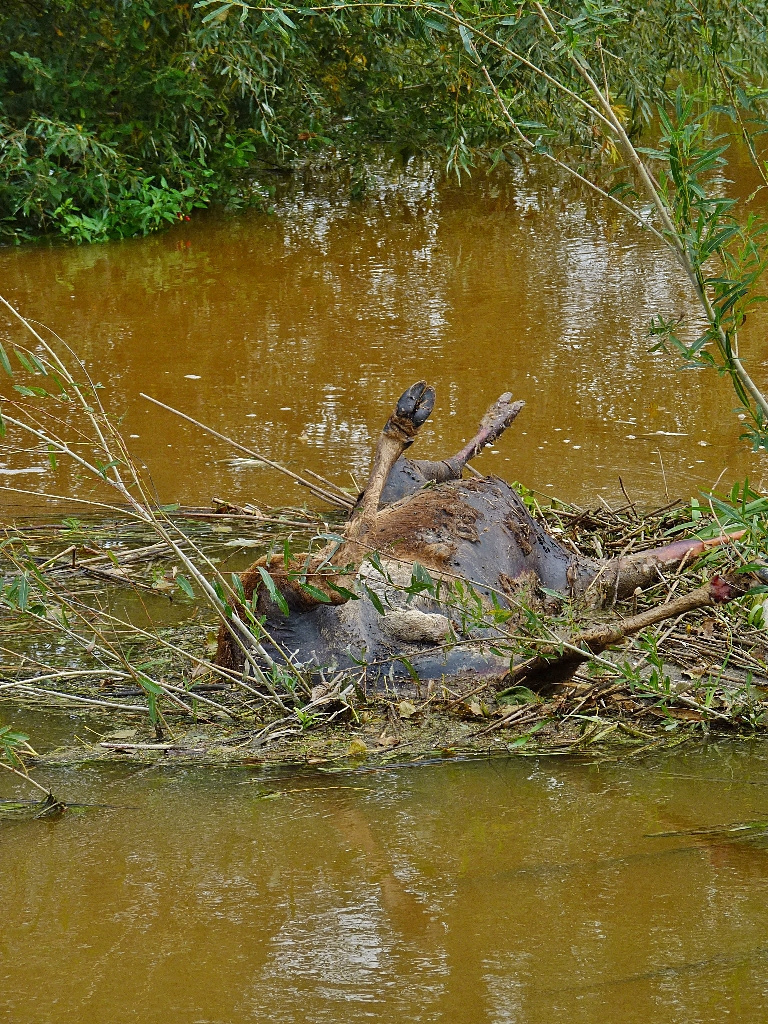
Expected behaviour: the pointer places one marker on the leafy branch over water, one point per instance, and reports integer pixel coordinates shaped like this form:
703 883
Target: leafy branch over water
117 118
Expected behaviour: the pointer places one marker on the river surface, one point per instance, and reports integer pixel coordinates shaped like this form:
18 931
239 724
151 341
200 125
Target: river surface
523 890
296 332
514 890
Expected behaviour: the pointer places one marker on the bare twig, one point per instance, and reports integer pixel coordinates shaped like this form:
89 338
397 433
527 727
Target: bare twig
321 492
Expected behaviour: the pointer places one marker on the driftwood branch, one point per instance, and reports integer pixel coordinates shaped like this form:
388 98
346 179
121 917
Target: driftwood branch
554 665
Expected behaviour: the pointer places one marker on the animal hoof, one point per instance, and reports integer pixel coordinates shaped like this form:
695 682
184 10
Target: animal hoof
416 403
499 416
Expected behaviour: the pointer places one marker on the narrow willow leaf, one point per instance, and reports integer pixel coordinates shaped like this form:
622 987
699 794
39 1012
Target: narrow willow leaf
5 362
374 599
375 559
104 468
466 38
184 585
149 685
284 17
24 360
37 364
219 14
315 592
22 593
346 594
274 593
409 668
237 586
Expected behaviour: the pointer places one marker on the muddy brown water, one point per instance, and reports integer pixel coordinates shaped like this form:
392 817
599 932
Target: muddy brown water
515 890
518 890
296 333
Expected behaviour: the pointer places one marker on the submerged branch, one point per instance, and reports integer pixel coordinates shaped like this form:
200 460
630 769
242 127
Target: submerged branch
25 778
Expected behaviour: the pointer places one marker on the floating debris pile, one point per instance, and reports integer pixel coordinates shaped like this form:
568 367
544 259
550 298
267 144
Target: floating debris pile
681 679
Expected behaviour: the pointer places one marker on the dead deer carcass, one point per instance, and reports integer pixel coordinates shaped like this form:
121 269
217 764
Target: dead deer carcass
391 593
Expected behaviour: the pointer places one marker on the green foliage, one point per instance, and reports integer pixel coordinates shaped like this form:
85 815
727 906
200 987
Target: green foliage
115 120
117 117
152 693
13 745
745 512
727 257
306 718
517 695
60 177
274 593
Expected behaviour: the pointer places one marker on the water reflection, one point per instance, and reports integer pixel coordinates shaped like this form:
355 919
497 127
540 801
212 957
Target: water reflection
295 332
508 891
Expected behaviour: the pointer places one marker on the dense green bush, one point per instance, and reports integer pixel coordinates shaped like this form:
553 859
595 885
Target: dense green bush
118 116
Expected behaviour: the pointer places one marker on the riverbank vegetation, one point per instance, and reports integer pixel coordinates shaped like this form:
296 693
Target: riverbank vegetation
118 116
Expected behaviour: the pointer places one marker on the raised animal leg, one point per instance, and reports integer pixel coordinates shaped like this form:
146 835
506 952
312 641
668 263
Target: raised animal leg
492 426
399 433
408 475
618 578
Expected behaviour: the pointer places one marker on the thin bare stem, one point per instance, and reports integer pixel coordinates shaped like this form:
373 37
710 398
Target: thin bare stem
25 777
321 492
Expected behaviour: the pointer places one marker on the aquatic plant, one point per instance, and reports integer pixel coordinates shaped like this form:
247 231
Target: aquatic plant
14 747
